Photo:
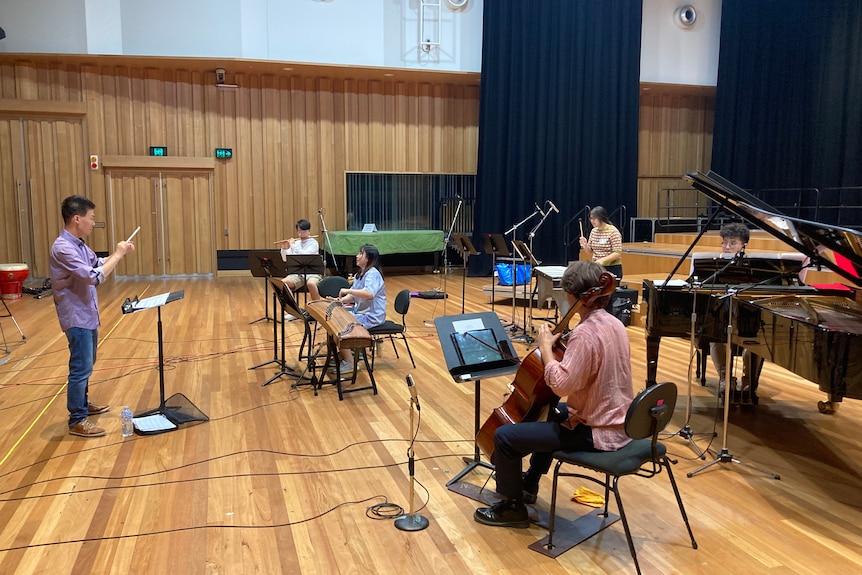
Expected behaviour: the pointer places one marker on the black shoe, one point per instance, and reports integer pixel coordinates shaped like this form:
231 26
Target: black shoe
531 490
505 513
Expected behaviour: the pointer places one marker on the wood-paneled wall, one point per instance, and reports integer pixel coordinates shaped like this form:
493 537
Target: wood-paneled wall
295 129
675 137
293 132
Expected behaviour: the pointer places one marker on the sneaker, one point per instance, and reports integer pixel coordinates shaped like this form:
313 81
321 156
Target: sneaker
93 409
531 490
86 429
289 317
345 367
505 513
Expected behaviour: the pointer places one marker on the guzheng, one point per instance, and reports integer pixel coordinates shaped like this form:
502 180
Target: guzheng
341 325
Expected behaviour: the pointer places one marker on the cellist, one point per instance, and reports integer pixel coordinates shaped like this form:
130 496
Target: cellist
593 374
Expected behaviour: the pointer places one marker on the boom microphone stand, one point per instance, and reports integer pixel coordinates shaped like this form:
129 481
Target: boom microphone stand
411 521
328 243
685 431
514 230
445 254
724 456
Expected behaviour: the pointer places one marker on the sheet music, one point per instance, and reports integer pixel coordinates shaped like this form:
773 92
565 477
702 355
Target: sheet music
155 422
466 325
149 302
155 301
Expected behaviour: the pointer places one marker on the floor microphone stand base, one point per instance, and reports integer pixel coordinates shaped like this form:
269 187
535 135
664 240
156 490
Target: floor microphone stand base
686 433
411 522
724 456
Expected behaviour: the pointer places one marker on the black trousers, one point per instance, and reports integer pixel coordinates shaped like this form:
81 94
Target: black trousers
541 438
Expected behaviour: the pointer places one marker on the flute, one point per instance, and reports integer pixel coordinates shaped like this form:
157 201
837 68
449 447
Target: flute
291 239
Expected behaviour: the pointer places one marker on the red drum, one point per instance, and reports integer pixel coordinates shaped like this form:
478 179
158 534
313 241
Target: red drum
12 278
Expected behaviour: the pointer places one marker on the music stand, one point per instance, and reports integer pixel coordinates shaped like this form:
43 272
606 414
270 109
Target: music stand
266 264
304 265
282 294
462 371
528 258
495 245
177 409
466 249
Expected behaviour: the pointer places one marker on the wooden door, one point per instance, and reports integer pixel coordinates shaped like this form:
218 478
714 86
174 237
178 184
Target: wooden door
135 201
14 246
188 224
174 211
42 161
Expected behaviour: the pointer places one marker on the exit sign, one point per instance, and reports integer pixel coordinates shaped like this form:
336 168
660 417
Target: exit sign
224 153
158 150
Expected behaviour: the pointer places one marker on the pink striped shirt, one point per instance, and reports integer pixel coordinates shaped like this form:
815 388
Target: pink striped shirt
595 377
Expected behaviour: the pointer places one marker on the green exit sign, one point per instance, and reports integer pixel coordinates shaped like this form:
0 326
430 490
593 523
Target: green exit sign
158 150
224 153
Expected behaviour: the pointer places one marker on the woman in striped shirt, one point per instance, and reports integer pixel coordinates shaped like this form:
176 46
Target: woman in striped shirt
606 243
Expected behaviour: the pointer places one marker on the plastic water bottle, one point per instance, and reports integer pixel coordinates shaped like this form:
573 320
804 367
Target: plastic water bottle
128 426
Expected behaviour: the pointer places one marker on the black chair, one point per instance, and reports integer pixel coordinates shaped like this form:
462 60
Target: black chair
331 285
644 455
391 329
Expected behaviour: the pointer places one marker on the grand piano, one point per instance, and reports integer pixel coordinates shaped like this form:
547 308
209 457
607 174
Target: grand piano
815 333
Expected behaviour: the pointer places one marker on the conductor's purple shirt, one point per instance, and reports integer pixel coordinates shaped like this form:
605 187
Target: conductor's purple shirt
76 270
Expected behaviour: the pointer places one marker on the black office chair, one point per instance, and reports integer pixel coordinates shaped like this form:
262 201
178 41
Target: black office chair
391 329
644 455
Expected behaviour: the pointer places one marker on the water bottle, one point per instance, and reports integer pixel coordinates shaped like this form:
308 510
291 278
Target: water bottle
128 426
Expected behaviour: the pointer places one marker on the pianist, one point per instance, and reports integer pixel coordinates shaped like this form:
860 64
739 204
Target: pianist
734 238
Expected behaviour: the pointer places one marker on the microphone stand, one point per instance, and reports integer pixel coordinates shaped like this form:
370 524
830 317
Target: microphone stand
328 243
528 339
445 254
514 230
724 455
411 521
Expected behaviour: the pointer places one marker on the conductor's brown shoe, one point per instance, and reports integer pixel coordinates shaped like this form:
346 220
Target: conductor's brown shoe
86 429
93 409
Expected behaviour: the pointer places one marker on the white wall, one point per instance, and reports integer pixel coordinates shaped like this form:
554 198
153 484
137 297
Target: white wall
355 32
673 55
54 26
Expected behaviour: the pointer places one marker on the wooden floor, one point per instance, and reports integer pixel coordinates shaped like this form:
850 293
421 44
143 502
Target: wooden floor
281 481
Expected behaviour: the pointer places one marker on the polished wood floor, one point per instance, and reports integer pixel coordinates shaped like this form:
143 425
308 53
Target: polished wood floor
283 481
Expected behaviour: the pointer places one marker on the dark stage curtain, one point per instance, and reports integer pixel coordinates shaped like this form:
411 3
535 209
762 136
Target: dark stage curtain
788 110
558 115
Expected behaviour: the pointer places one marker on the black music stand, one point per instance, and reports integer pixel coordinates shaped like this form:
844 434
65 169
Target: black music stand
495 245
266 264
466 249
304 265
462 371
528 258
177 409
281 293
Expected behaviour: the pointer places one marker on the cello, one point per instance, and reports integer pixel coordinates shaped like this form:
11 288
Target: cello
531 397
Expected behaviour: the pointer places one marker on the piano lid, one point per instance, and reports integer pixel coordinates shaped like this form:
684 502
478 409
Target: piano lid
839 249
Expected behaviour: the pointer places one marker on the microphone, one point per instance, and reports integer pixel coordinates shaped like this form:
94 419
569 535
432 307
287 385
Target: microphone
321 210
414 397
553 207
539 209
739 255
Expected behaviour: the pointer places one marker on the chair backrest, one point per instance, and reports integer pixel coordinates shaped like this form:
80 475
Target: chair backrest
402 302
330 286
651 410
